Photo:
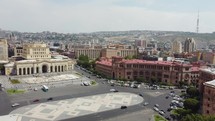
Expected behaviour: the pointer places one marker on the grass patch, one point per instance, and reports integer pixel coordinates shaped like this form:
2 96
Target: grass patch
15 81
14 91
93 82
159 118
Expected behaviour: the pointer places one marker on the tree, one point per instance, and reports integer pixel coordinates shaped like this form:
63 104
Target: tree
140 79
180 113
83 61
192 92
198 117
134 56
153 80
191 104
129 57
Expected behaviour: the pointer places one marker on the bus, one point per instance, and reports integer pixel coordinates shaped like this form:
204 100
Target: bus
45 88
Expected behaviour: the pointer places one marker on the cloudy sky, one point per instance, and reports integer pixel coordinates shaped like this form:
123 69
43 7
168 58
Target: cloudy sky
74 16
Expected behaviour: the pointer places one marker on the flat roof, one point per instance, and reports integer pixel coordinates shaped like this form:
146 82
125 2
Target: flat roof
210 83
208 70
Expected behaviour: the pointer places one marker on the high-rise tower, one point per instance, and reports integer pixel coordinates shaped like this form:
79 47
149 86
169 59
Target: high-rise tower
197 25
189 45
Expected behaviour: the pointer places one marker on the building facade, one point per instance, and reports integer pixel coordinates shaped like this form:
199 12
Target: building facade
90 52
209 98
141 43
176 47
36 51
205 75
189 45
208 57
3 50
37 60
109 53
18 51
162 71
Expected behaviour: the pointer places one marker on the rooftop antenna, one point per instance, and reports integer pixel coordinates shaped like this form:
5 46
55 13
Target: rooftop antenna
197 27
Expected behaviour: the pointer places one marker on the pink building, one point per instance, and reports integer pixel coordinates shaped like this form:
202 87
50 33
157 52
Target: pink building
162 71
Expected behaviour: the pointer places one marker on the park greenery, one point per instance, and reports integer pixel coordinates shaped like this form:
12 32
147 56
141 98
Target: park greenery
93 82
198 117
159 118
15 91
15 81
191 105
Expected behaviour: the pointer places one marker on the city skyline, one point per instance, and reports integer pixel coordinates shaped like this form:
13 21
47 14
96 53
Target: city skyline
70 16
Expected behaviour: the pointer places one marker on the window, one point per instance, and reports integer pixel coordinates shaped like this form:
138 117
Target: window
166 76
187 68
209 91
128 73
159 67
128 65
141 66
209 99
135 66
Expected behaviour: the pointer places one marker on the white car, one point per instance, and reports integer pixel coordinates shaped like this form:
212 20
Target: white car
15 104
113 90
35 89
156 109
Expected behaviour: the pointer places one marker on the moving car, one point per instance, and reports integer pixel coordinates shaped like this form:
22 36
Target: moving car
45 88
15 104
36 100
123 107
49 99
113 90
146 103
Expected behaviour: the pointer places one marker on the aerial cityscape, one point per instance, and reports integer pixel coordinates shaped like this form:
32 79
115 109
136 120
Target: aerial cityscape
107 60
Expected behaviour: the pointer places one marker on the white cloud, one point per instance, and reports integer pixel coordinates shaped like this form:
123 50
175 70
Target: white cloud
97 15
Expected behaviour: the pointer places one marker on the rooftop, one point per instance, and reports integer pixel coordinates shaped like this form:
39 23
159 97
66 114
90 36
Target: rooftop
138 61
208 70
210 83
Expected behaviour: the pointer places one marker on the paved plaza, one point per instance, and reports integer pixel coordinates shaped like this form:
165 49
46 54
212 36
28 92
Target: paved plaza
75 107
49 78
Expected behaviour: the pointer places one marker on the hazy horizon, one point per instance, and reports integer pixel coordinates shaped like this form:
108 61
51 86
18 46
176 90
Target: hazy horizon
85 16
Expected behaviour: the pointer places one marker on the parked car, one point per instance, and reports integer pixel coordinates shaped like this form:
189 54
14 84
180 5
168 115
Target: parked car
161 112
156 105
156 109
15 105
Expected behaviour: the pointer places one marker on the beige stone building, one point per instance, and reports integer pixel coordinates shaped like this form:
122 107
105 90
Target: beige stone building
18 51
36 51
109 53
3 50
90 52
208 57
38 60
176 47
